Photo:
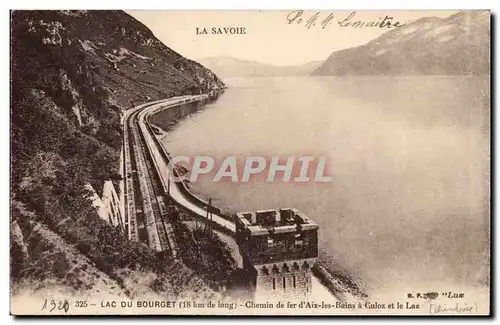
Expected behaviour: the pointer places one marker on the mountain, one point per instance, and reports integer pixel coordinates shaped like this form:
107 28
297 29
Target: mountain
232 67
456 45
73 73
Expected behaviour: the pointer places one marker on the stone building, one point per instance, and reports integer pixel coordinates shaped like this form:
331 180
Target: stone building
279 249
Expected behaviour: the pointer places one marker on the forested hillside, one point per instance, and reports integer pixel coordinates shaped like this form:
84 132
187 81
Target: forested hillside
73 73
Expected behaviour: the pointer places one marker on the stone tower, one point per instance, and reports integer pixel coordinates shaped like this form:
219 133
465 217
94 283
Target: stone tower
279 249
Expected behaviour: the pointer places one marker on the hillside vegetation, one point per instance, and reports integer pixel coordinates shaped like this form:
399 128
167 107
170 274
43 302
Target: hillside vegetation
73 73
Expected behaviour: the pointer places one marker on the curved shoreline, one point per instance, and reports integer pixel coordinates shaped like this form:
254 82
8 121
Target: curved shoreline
322 279
179 192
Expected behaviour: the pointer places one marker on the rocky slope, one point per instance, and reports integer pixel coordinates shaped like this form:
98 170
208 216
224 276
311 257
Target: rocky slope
44 261
72 75
456 45
232 67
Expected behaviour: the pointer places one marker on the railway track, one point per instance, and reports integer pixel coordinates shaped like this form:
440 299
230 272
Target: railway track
147 219
146 189
144 197
154 194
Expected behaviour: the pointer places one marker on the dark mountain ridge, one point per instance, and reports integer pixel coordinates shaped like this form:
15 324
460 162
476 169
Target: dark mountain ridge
73 73
456 45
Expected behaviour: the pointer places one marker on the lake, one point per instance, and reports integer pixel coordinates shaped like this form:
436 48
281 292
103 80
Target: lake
408 207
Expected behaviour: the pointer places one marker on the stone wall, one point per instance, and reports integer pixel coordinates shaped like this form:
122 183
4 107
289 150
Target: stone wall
286 287
283 281
107 206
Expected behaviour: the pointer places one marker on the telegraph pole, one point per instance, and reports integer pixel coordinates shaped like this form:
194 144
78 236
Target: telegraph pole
168 185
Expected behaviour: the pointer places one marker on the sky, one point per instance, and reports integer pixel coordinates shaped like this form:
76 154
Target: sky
272 37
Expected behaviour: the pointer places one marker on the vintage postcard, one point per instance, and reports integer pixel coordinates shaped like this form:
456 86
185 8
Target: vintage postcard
284 162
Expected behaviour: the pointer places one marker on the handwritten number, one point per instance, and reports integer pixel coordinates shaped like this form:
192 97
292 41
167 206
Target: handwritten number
53 304
66 306
60 305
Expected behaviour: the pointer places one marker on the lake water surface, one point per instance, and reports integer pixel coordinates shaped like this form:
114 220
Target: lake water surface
408 208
